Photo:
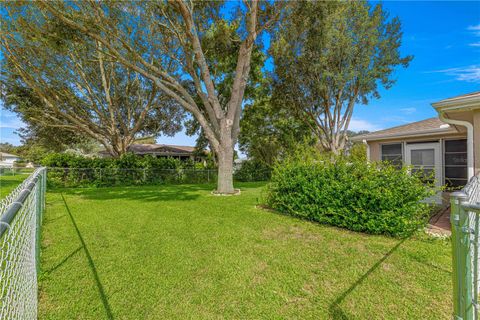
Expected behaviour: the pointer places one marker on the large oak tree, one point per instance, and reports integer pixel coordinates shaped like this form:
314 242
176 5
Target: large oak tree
165 41
330 56
270 132
56 77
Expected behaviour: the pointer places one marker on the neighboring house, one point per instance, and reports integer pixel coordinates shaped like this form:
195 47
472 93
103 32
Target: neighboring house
237 163
7 159
448 146
163 151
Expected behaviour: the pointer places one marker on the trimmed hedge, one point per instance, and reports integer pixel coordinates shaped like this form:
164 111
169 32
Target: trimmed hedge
69 170
375 198
252 170
127 161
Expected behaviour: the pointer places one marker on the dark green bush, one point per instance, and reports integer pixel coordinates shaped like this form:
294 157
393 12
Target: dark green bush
252 170
372 197
70 170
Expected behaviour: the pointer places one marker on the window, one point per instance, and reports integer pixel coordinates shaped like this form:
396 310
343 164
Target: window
456 173
423 161
393 153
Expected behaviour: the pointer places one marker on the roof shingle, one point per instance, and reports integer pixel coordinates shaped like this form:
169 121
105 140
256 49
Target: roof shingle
145 148
432 125
463 96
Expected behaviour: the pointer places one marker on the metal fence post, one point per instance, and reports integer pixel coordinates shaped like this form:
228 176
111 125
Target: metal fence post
20 247
38 215
462 261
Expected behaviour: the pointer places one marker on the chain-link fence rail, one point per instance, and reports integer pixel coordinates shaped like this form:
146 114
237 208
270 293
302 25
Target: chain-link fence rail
465 219
20 222
105 177
13 171
98 177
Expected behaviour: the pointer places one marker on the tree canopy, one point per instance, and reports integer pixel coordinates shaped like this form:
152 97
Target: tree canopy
119 70
269 132
59 80
176 45
330 56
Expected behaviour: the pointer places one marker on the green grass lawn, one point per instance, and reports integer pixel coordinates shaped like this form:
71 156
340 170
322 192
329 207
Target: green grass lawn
10 182
177 252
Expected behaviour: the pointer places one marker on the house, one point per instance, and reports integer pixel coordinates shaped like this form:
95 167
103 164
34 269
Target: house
237 163
163 151
447 146
8 159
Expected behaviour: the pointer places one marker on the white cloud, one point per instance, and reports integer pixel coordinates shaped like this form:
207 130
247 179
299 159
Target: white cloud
408 110
10 123
360 124
468 73
474 28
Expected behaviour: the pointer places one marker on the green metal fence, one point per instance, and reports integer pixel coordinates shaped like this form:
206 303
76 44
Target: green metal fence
107 177
465 219
14 171
20 224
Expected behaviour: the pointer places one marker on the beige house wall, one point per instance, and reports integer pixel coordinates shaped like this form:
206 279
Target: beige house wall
375 152
376 149
476 139
472 116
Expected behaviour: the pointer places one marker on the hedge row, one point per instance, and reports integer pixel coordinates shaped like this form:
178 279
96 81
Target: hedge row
126 161
375 198
67 170
252 170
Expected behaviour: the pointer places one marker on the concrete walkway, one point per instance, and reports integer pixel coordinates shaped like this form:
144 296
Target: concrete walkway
440 223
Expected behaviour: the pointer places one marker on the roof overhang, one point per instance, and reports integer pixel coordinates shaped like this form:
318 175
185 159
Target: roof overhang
458 104
164 153
425 133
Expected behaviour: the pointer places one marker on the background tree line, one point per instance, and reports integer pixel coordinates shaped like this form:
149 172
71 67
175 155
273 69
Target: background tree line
111 72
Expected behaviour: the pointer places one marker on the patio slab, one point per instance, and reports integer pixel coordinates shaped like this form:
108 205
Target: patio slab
440 223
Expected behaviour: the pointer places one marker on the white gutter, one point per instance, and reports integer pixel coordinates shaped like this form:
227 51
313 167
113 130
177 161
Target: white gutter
469 126
368 149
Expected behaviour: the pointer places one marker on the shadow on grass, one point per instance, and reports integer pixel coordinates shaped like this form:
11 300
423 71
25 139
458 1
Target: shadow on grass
335 310
164 192
140 193
101 290
47 221
64 260
431 265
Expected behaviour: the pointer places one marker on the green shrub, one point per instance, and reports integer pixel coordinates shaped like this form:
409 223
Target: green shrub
252 170
70 170
372 197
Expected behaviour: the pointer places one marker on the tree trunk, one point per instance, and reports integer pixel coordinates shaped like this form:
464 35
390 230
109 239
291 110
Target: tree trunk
225 169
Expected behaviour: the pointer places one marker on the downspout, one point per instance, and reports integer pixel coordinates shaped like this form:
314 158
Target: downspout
470 149
368 149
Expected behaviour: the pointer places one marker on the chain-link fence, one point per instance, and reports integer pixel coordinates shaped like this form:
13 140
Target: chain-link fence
97 177
465 219
14 171
103 177
20 223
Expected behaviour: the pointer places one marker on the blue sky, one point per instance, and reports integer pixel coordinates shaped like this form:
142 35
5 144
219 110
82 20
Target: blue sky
444 38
